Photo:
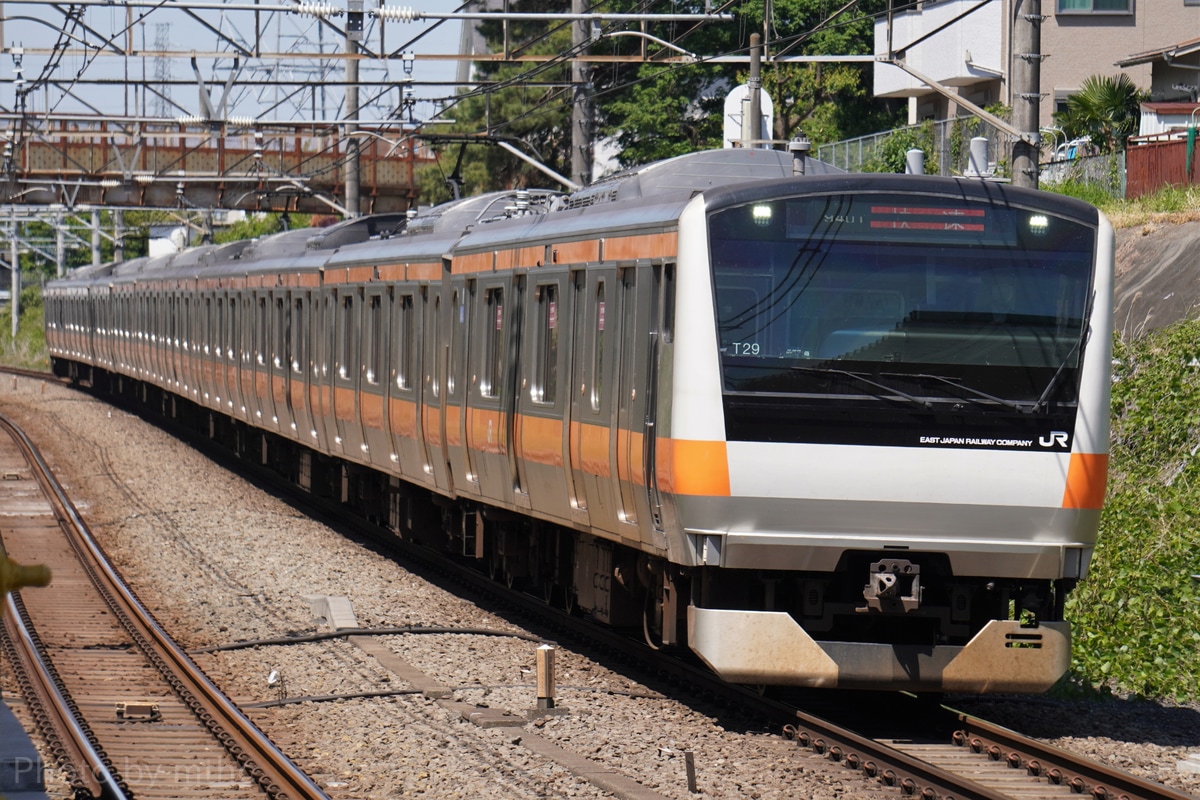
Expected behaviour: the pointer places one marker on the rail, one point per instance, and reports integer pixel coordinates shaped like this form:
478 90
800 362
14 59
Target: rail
270 768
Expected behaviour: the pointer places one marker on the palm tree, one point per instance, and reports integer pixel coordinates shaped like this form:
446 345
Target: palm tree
1105 109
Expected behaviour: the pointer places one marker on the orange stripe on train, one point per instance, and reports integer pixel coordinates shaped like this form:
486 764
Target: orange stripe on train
692 467
1087 478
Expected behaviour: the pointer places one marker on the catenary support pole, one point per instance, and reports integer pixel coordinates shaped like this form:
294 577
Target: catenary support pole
1027 97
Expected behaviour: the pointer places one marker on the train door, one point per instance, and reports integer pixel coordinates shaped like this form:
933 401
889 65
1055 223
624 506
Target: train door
236 354
179 310
264 405
347 371
489 399
592 418
321 389
147 336
581 327
629 352
105 338
185 376
404 386
462 295
516 488
204 353
158 335
279 366
220 361
373 386
171 340
299 368
246 354
662 332
432 428
544 398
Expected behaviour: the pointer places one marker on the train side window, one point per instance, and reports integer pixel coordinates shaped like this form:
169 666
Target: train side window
321 336
458 340
246 332
598 348
206 327
402 342
345 336
218 327
493 346
668 299
184 328
260 331
280 334
298 339
545 364
432 362
374 331
234 334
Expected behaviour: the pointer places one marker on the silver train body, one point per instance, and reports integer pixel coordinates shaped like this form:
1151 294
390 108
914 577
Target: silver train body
825 430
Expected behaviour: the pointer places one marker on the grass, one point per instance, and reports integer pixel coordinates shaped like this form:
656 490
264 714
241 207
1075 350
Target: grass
1171 205
28 349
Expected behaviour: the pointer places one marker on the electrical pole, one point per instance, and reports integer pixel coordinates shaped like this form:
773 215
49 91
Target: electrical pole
581 105
96 237
16 276
118 234
1027 91
354 27
752 124
60 241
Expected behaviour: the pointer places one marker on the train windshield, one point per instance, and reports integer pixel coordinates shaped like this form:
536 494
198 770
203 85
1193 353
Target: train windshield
917 299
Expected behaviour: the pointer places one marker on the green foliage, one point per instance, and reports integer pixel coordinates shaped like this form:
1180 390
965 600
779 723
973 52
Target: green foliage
827 101
28 349
1171 200
666 114
1088 191
255 226
1137 615
892 153
654 110
1106 109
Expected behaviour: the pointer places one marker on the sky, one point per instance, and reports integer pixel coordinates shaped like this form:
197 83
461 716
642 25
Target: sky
33 24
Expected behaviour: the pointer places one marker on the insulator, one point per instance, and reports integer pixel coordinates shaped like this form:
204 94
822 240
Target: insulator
241 122
317 10
400 13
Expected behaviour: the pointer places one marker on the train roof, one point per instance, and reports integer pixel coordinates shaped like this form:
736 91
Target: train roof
688 174
862 182
642 198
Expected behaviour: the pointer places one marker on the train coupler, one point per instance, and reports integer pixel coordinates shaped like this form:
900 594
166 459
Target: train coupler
893 586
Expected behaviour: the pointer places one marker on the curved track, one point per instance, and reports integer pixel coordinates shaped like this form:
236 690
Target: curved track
122 708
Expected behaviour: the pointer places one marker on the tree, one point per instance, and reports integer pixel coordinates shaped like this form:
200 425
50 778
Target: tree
525 103
828 101
1106 109
655 109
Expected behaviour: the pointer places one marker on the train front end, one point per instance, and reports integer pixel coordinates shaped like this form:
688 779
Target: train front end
884 445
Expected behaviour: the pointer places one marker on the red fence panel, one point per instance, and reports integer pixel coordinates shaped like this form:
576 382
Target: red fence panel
1152 165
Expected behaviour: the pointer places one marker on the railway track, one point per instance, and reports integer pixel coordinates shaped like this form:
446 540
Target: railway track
124 711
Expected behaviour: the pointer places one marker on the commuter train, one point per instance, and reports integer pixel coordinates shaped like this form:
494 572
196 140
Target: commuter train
826 430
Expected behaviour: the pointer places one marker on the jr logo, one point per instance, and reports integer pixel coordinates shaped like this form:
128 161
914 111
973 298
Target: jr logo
1055 439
